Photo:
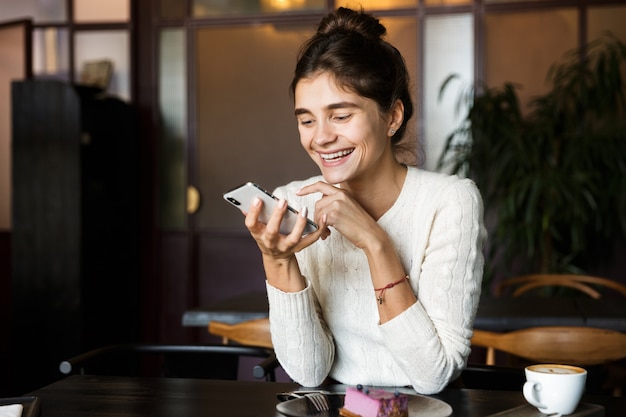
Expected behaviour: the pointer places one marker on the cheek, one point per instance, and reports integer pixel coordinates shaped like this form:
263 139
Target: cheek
305 138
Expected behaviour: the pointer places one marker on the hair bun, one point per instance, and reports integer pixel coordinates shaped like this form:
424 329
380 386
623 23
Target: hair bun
345 21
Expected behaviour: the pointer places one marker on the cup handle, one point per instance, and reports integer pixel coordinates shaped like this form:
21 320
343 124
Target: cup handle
529 393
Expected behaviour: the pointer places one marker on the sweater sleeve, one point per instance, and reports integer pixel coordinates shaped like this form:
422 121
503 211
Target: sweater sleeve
431 340
302 342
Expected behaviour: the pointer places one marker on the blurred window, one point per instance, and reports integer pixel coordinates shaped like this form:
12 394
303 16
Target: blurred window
212 8
101 10
448 49
520 47
172 73
50 11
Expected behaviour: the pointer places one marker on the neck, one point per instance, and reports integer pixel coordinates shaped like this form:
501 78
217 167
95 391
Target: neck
378 191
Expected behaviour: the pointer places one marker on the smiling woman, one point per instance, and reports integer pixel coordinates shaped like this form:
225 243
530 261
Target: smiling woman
325 111
393 272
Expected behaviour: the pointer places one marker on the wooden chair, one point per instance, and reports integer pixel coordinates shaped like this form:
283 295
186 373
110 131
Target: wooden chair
254 333
158 360
556 344
583 346
248 333
584 283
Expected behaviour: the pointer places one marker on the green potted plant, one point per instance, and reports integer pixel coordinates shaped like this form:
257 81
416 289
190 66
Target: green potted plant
553 178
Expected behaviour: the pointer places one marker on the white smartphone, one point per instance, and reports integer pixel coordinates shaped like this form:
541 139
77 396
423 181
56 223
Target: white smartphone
243 196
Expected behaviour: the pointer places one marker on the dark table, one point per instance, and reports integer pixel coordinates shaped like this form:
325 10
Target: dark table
100 396
497 314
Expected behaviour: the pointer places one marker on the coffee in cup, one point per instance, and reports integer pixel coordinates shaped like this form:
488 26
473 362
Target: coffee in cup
554 389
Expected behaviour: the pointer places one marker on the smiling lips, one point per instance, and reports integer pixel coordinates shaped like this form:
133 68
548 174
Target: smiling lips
335 156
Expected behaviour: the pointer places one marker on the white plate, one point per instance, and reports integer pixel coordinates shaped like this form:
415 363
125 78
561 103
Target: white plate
419 406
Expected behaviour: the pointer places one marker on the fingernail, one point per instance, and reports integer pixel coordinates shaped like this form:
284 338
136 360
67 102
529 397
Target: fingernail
303 212
256 201
282 203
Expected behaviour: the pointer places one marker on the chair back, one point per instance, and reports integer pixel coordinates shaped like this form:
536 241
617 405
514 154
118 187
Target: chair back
572 345
584 283
249 333
173 361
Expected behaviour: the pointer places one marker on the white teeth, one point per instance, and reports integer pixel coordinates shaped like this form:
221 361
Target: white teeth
335 155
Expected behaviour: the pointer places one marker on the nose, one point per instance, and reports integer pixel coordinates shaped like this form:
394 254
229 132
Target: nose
325 133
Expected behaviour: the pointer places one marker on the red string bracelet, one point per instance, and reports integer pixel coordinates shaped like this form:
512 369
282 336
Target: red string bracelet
386 287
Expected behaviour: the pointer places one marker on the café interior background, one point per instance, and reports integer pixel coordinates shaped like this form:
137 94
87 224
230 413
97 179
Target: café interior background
208 81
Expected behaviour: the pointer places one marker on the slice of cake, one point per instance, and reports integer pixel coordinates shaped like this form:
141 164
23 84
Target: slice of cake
365 402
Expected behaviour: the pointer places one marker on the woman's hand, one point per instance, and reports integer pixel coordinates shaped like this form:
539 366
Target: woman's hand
337 208
278 250
271 242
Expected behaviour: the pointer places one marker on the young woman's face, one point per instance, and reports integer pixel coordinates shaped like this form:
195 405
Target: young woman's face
344 133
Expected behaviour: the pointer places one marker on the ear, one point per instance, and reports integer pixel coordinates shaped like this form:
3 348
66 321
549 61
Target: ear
396 117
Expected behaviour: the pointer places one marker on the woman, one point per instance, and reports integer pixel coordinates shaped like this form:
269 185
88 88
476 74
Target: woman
385 291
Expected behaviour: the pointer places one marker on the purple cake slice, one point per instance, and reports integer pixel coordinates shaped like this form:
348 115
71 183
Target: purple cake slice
374 403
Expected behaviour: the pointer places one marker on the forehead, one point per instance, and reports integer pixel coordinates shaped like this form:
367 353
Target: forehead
322 89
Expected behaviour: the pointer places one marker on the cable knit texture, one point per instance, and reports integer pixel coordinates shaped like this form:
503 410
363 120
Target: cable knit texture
332 327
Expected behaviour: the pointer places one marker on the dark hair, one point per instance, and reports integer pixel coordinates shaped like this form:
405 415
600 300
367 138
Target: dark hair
350 46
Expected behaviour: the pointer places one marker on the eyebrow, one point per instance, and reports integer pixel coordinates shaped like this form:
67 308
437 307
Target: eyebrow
340 105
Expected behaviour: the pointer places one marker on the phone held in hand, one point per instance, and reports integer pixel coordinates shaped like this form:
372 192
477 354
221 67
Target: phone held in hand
243 196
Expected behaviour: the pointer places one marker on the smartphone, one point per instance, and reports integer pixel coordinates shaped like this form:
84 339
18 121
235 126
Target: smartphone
243 196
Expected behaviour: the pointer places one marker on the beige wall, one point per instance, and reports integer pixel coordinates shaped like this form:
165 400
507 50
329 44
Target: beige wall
521 47
603 18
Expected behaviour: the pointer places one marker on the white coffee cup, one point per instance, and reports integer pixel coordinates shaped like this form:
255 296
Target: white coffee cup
554 389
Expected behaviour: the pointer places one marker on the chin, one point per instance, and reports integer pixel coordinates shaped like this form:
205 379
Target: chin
336 174
334 178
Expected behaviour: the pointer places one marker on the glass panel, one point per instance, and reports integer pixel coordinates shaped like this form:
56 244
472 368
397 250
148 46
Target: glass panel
12 55
521 47
50 53
402 32
171 9
446 2
173 141
106 45
609 18
377 4
101 10
204 8
41 11
246 128
505 1
448 49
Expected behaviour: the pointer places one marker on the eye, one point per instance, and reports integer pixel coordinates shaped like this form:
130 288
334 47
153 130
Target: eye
305 121
342 117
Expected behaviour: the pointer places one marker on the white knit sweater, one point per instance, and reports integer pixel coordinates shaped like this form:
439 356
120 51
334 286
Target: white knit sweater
332 327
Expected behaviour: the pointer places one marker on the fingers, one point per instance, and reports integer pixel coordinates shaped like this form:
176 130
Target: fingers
253 222
265 233
318 187
304 241
296 237
252 216
269 237
329 194
273 225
